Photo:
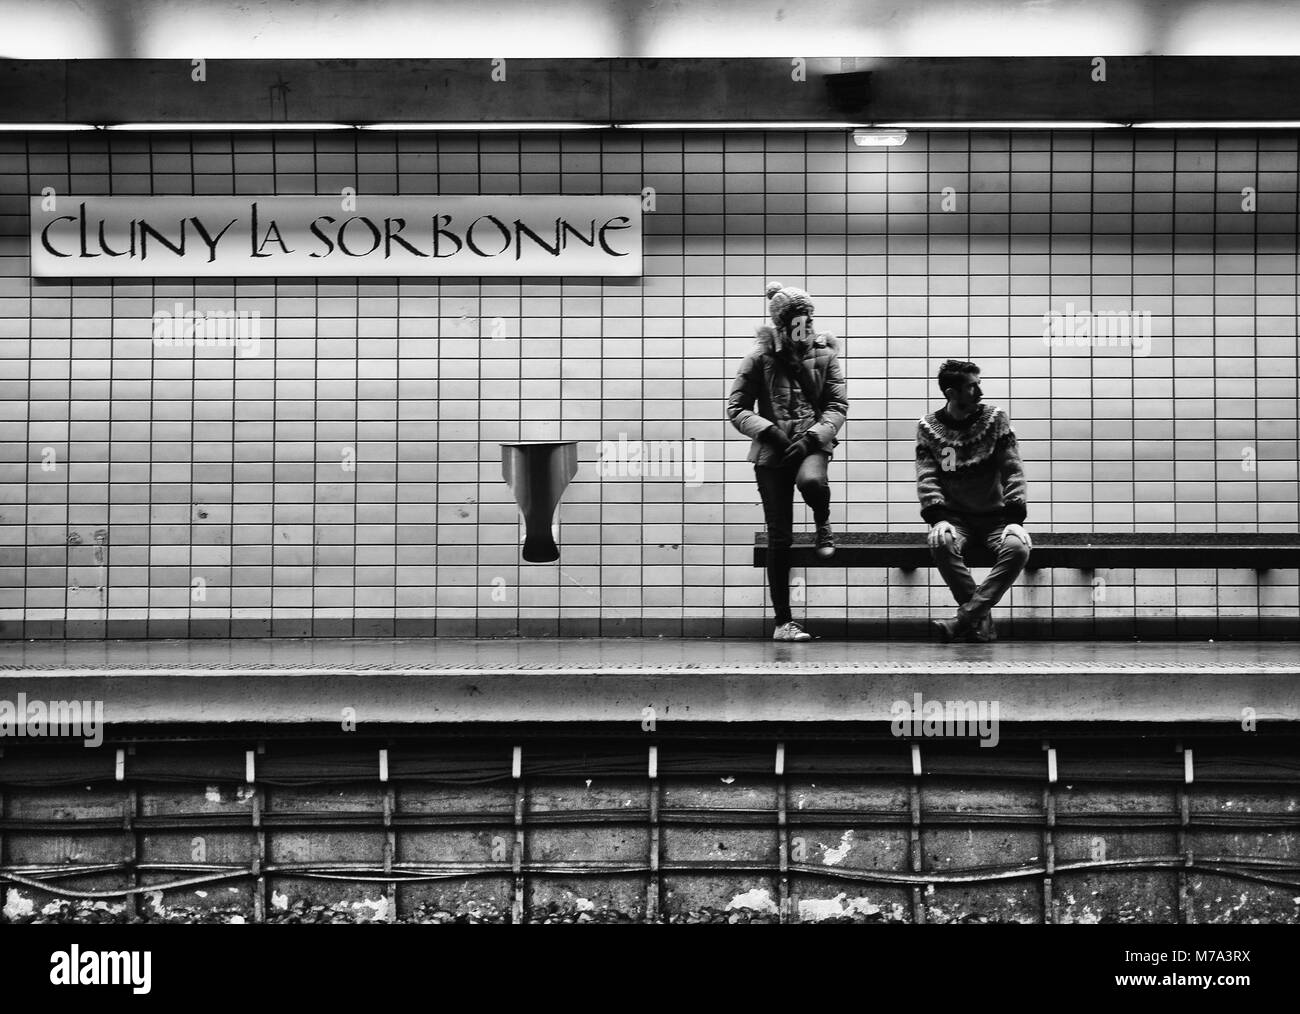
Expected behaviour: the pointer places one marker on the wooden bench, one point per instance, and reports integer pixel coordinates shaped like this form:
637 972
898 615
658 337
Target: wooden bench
1078 550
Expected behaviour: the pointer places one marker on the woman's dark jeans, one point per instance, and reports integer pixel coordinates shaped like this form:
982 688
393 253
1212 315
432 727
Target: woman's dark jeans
777 486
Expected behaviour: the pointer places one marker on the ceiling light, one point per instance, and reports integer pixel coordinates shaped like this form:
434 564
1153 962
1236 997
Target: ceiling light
1003 125
6 127
740 125
1220 125
879 138
277 125
483 125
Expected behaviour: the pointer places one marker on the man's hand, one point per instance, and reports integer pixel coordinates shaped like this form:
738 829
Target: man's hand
1019 532
773 437
798 450
942 531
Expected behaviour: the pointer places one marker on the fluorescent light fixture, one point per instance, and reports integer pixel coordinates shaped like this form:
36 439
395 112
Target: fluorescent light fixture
1003 125
879 138
740 125
7 127
1220 125
486 125
228 126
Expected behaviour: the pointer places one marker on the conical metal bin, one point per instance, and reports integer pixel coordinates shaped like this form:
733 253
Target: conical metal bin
537 472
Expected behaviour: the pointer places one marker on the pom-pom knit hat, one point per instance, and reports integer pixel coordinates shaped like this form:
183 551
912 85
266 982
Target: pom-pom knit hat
785 303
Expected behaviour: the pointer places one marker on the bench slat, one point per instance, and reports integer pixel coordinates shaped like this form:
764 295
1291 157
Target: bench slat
1078 550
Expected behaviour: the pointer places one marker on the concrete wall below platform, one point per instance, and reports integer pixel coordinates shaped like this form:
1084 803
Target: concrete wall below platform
596 839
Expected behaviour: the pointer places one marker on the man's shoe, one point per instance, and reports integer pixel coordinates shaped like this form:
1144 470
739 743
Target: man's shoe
791 632
825 541
952 630
947 630
985 632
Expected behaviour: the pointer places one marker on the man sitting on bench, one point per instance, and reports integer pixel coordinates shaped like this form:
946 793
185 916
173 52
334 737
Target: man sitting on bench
971 486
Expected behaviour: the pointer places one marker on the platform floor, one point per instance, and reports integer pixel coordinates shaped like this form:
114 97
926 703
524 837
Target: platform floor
560 656
435 681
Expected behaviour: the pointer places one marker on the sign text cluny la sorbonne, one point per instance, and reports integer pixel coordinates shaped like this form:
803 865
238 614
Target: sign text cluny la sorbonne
466 235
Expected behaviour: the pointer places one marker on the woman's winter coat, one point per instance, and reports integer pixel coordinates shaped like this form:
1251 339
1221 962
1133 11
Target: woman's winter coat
768 392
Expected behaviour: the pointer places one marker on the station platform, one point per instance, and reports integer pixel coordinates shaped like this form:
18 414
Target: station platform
441 681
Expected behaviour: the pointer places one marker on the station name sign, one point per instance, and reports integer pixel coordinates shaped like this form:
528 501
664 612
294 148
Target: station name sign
461 235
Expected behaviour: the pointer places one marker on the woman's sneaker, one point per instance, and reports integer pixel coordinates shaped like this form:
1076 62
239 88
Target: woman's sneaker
791 632
825 541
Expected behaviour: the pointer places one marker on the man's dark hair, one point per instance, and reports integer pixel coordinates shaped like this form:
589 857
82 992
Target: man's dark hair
952 374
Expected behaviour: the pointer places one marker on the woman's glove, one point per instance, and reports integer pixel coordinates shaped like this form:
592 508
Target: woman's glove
773 437
799 449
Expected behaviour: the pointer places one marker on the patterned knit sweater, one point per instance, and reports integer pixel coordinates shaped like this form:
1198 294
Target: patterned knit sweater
969 468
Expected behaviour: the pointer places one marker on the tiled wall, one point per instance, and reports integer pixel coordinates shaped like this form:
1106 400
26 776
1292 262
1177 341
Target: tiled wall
165 466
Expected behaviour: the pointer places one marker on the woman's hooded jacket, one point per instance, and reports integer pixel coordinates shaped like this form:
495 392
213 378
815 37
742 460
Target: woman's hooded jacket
766 393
